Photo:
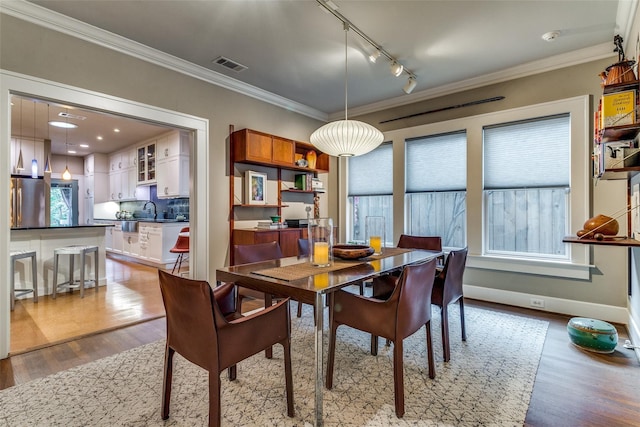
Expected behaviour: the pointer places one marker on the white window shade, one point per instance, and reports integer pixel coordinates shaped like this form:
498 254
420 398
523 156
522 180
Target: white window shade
436 163
533 153
372 173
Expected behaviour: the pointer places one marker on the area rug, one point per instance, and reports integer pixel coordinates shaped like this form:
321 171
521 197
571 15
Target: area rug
487 382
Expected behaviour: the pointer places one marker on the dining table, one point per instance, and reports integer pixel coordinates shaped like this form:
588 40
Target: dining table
297 278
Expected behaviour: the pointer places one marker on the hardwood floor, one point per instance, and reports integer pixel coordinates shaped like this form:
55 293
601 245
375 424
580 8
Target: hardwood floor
132 295
572 388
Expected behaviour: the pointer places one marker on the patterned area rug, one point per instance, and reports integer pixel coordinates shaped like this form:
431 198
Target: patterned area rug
488 382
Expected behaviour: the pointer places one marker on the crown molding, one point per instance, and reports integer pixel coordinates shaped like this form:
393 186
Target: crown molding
551 63
43 17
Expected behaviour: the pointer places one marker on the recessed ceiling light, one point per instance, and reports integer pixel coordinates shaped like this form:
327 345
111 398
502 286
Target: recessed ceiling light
84 145
551 36
99 138
71 151
116 130
63 125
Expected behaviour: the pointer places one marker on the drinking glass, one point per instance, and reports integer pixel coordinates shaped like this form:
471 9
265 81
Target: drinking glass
374 231
320 235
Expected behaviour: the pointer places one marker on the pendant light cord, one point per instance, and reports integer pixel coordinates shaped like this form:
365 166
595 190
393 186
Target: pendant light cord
346 68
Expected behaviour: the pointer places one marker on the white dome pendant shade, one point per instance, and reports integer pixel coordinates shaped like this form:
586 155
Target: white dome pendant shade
346 138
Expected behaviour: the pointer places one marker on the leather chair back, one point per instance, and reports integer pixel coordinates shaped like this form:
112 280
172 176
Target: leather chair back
303 247
452 275
430 243
245 254
413 295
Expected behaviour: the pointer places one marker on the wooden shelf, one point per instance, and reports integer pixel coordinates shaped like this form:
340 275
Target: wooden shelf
242 205
621 173
622 241
620 133
295 190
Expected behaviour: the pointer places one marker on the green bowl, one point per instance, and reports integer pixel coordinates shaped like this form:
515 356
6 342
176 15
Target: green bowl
275 218
592 334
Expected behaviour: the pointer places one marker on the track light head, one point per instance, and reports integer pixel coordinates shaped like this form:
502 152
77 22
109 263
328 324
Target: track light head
410 85
374 56
396 68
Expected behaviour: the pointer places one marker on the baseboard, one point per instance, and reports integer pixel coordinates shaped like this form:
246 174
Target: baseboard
634 333
554 305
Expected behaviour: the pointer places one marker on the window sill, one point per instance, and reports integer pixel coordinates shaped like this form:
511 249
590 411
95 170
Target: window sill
528 266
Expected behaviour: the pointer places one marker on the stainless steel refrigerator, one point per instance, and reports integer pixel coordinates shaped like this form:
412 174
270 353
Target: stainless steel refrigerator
27 203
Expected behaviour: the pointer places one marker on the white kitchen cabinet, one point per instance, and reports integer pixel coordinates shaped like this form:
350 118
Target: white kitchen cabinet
151 241
146 164
173 177
117 243
108 238
96 180
177 143
131 244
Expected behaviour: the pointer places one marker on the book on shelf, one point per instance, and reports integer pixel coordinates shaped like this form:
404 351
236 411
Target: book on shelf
268 225
303 181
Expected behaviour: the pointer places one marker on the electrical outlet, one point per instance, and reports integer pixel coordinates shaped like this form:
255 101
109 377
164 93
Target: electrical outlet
537 302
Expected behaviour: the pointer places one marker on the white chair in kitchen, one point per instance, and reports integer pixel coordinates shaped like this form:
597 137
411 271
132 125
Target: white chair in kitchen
18 255
71 251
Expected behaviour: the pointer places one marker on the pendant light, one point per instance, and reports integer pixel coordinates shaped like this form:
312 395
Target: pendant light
66 175
19 165
34 161
346 138
47 165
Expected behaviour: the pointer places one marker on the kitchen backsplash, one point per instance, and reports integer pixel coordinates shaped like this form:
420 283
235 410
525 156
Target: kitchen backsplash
166 208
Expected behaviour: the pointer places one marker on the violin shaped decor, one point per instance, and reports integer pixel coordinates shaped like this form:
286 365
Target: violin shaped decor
311 159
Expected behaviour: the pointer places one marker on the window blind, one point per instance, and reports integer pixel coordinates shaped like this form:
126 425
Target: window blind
436 163
372 174
533 153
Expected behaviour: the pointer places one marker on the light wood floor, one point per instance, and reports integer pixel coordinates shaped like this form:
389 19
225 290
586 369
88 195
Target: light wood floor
132 295
572 387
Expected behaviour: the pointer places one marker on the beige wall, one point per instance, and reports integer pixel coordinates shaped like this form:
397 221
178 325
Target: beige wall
32 50
28 49
608 284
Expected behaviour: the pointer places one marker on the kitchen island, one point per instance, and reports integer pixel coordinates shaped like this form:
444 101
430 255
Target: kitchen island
44 240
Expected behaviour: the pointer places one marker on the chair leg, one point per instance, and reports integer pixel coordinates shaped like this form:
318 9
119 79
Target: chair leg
166 382
464 332
175 264
214 399
444 315
374 345
232 372
34 274
430 358
398 377
299 313
288 376
268 302
331 356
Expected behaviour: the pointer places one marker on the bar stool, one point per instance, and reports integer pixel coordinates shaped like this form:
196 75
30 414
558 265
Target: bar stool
72 251
181 248
16 255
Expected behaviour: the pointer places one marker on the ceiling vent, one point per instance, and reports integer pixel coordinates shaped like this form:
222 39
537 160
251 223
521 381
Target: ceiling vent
71 116
228 63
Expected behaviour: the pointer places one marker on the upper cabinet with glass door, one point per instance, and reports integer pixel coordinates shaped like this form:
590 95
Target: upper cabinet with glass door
146 164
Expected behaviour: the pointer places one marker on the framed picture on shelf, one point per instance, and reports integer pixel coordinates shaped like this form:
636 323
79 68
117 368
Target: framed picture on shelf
255 188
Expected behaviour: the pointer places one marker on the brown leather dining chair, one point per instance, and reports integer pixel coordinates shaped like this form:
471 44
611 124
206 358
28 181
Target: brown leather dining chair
383 285
246 254
404 313
447 288
198 330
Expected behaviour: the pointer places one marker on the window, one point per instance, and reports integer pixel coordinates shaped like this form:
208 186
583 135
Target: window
436 182
526 187
370 192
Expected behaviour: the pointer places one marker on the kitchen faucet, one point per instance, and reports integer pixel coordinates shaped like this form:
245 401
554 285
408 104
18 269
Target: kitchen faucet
155 210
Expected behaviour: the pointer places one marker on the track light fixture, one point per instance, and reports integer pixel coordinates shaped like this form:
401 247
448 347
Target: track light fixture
410 85
396 67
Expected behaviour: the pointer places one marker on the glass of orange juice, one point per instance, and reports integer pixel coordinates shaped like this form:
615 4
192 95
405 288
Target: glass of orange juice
374 231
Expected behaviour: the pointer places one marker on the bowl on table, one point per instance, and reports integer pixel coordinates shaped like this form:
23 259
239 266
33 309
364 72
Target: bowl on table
352 251
275 218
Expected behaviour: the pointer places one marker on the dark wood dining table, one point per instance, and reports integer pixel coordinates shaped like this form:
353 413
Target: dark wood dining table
295 277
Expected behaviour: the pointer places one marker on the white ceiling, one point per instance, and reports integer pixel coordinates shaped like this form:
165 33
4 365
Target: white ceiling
295 50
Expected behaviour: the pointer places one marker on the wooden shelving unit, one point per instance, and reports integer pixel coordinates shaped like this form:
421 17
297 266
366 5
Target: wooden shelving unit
622 241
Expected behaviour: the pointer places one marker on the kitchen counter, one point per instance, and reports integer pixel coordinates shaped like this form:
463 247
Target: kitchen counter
63 227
